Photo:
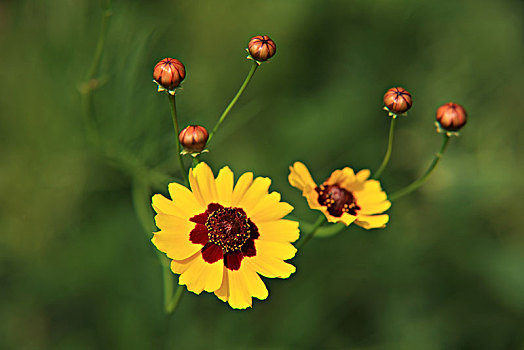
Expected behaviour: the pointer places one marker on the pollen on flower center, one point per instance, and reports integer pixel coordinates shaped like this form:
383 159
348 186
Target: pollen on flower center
337 200
229 228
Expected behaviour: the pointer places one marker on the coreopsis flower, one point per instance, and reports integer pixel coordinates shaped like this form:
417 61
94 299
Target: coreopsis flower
397 101
344 197
221 238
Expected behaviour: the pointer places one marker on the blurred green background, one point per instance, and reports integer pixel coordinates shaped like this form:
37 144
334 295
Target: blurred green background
77 271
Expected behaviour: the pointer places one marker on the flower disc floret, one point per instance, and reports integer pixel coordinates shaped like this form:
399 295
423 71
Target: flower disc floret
344 197
221 237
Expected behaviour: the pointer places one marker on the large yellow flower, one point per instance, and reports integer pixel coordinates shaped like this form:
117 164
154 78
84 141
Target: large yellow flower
344 197
221 238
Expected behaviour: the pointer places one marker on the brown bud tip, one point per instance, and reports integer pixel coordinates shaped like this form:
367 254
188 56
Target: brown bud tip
169 73
193 138
451 116
261 47
398 100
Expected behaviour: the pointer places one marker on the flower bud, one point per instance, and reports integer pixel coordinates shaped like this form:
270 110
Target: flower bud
397 100
451 117
168 74
261 48
193 138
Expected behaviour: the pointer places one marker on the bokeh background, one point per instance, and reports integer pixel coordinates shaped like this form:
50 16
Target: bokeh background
77 271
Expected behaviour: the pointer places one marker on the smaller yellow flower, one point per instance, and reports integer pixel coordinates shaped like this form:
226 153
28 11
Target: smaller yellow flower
344 197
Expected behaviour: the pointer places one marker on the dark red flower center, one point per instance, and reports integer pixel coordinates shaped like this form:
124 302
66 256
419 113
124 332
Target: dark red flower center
225 233
337 200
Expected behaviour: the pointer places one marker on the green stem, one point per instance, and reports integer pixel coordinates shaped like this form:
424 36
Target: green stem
108 12
234 100
424 178
320 221
173 303
141 193
196 160
172 103
388 152
91 83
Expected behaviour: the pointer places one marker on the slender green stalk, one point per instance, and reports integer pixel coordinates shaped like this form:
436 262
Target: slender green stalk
320 221
108 12
423 178
234 100
385 161
196 160
91 83
141 196
172 304
172 103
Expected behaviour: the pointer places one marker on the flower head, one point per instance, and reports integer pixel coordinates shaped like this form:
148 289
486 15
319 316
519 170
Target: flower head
451 117
344 197
220 237
168 74
397 101
261 48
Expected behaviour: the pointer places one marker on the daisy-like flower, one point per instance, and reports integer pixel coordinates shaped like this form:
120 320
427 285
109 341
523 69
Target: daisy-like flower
220 237
344 197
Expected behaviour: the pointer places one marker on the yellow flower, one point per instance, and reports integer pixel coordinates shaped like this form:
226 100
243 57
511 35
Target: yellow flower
221 238
344 197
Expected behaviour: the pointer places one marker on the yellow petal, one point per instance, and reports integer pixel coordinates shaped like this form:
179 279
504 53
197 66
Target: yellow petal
372 221
366 197
312 198
224 184
254 193
347 219
254 283
206 182
175 244
184 200
269 266
281 250
180 266
222 293
241 187
299 176
201 275
195 188
239 296
341 177
277 211
163 205
363 175
278 230
266 203
374 208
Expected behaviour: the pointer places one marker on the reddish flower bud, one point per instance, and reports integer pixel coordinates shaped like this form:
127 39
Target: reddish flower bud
168 74
193 138
451 117
397 100
261 48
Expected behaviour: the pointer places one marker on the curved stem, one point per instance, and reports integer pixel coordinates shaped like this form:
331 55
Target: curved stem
320 221
423 178
385 161
234 100
172 104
